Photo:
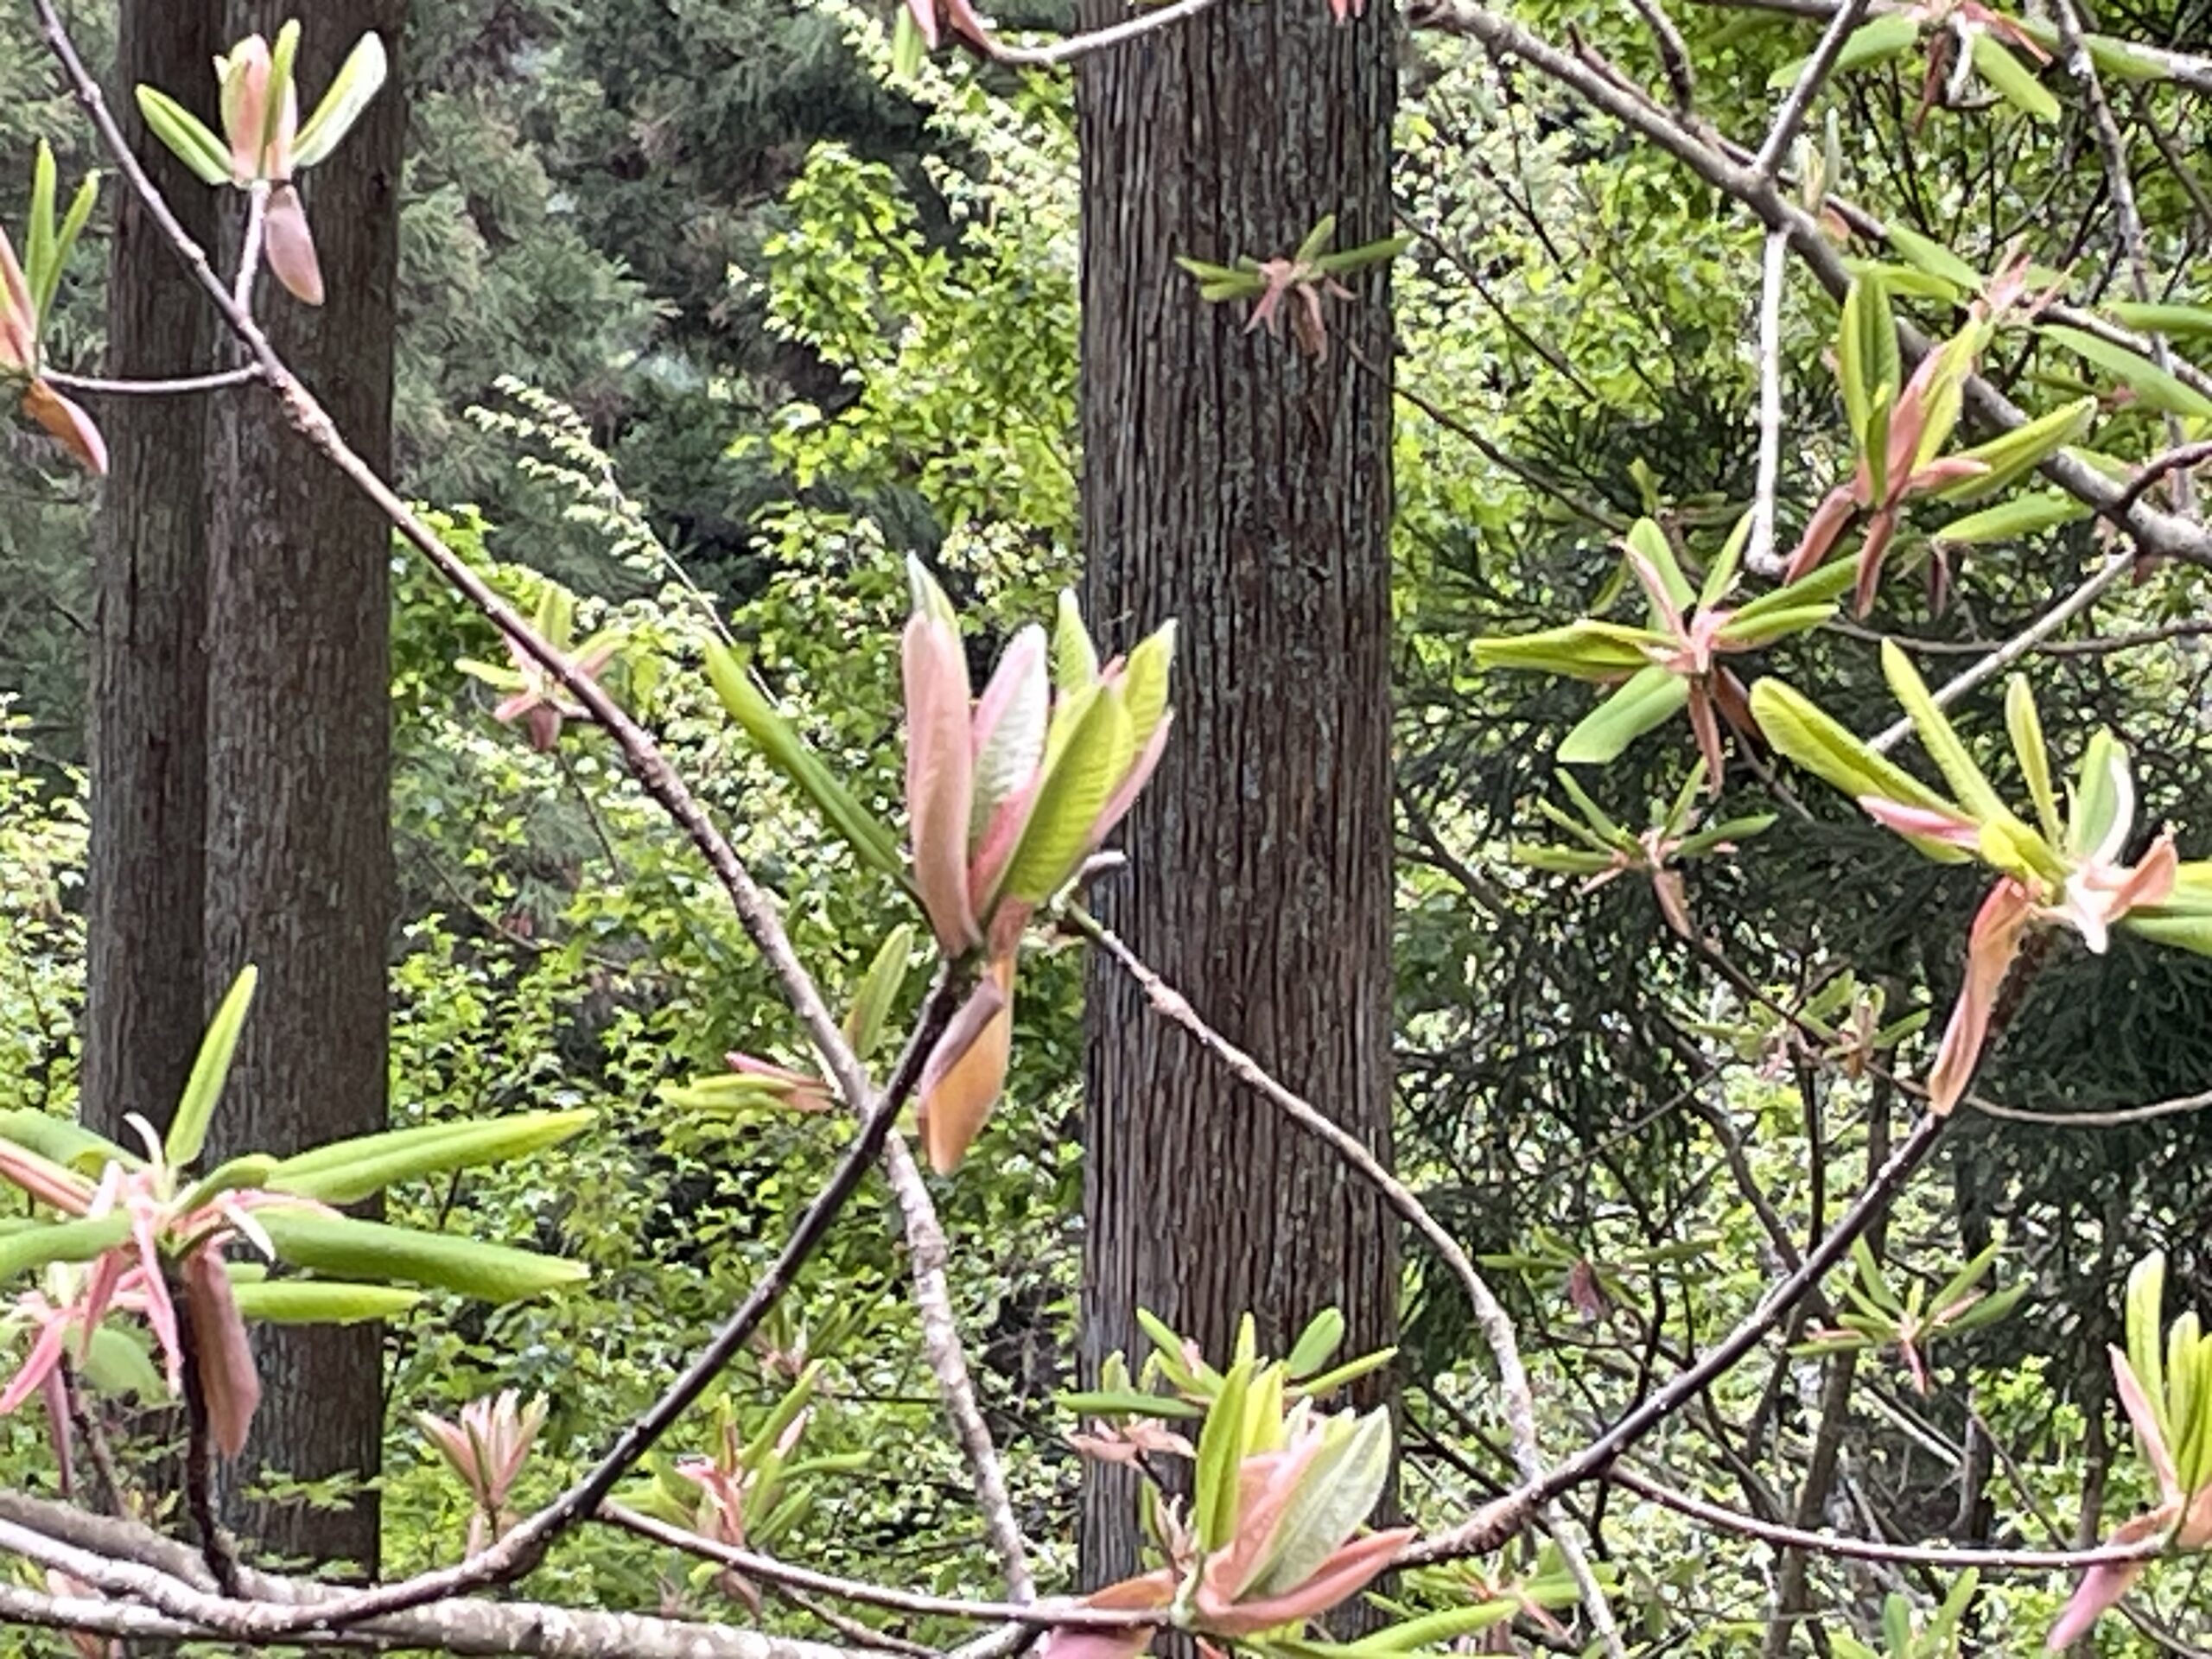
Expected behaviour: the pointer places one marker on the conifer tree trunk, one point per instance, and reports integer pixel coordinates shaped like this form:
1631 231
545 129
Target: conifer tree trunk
299 874
148 739
1242 487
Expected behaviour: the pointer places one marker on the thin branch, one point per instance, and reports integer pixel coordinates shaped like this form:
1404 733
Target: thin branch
1944 1557
1818 67
1673 54
1097 39
1760 555
769 1570
2126 213
257 226
2118 1119
1491 1317
180 386
1498 1522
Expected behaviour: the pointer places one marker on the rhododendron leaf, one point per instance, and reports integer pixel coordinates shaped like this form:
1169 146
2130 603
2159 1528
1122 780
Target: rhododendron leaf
187 1130
344 1172
784 749
1649 543
232 1175
1339 1489
350 90
2155 318
963 1077
62 1140
1868 367
2009 521
1144 682
1972 789
1074 659
1886 36
2154 388
1931 256
283 102
1063 822
1722 576
1651 696
2024 727
115 1362
878 989
1583 650
185 136
288 246
2012 79
319 1301
64 242
1221 1456
230 1386
1322 1335
349 1248
1802 734
2146 1289
2012 456
41 1244
39 257
1008 730
2101 795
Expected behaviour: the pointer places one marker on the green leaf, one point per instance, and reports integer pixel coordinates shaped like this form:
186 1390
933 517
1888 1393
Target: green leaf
1078 782
1322 1334
1646 539
232 1175
2024 727
908 46
117 1362
2178 321
370 1250
1885 37
1074 659
320 1302
2153 387
44 1242
2009 521
282 56
2094 802
878 989
1586 648
63 1142
1649 699
185 136
1340 1489
1144 682
789 753
1802 734
1823 586
1867 359
38 238
2146 1289
1221 1455
1722 574
345 1171
2012 79
1128 1402
1771 625
1932 258
65 241
1327 1382
357 82
188 1128
763 1443
1972 789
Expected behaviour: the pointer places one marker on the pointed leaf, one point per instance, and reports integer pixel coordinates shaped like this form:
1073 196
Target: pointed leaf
345 1171
2012 456
2179 321
1866 350
65 241
1322 1334
2011 521
1338 1491
320 1302
2153 387
2012 79
185 136
878 989
369 1250
1221 1455
44 1242
350 92
1076 789
1650 697
1969 786
188 1128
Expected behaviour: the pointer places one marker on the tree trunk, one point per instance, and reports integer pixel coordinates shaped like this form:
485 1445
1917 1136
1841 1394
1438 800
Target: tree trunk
1242 487
300 864
148 735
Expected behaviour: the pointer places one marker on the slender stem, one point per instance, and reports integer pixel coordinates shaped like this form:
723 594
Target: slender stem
1097 39
182 385
1760 556
1818 67
257 225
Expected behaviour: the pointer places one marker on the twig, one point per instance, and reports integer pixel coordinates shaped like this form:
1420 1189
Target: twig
1498 1520
2120 1118
1495 1324
1818 67
1760 556
1941 1556
2126 213
768 1570
257 225
1097 39
1673 54
180 386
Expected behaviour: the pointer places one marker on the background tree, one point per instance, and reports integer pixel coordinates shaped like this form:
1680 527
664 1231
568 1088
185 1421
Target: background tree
300 877
1243 487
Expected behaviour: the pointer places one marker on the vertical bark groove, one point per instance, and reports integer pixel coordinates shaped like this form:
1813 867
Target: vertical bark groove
1232 483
